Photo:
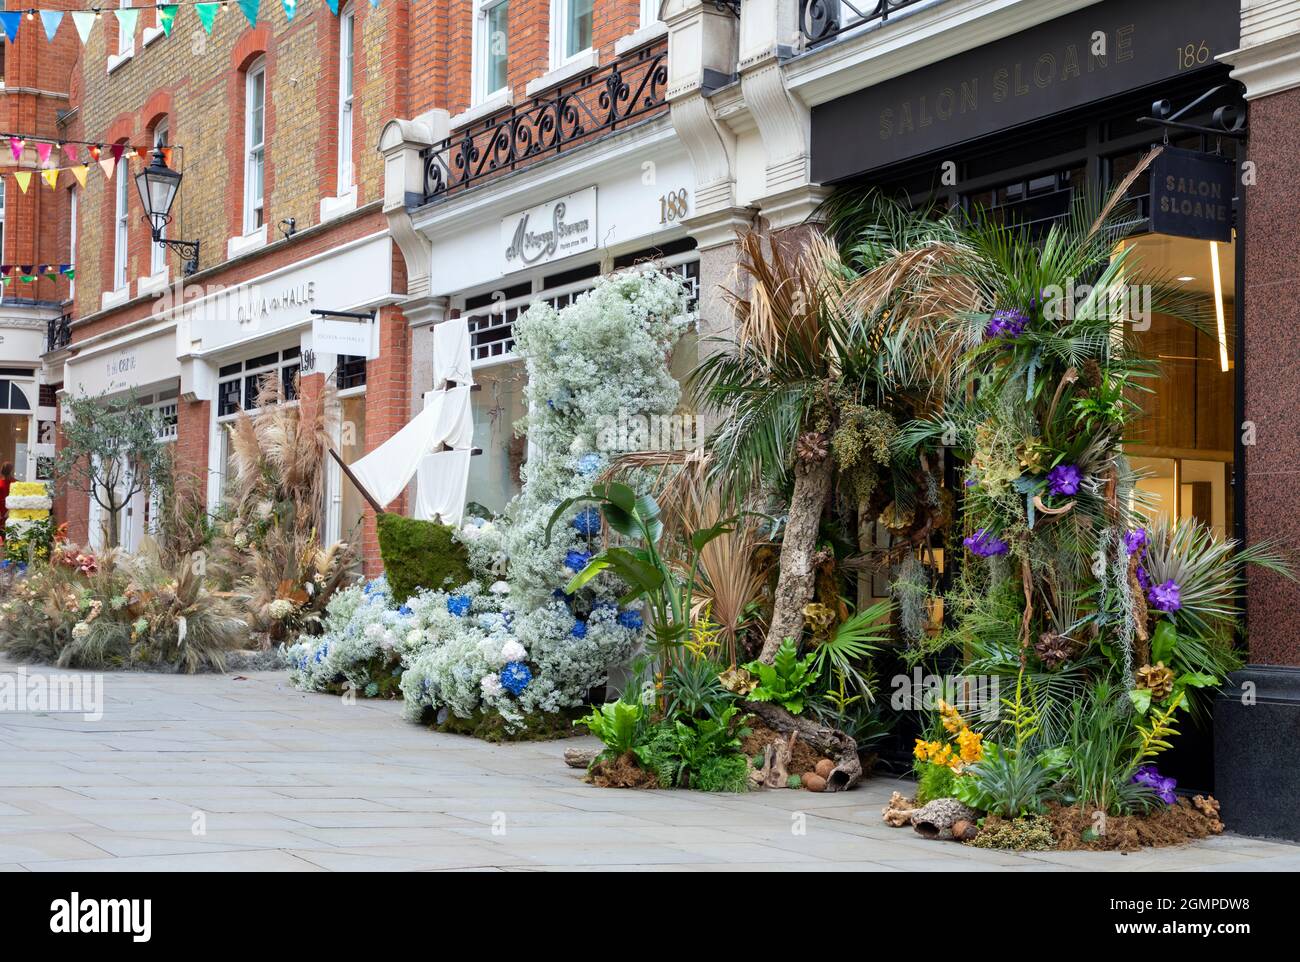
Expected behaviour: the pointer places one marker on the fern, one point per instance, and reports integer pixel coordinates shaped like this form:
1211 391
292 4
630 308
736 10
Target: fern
786 680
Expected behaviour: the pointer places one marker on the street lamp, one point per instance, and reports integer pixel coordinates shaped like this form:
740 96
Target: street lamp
158 185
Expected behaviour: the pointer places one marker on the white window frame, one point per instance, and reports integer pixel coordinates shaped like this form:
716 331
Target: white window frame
347 94
560 34
121 224
254 151
74 206
278 365
649 12
482 38
125 44
158 252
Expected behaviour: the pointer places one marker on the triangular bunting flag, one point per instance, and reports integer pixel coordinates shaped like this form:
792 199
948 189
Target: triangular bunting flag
24 178
334 6
375 4
16 145
107 165
71 151
70 273
117 150
250 10
51 177
51 19
5 269
167 156
43 152
167 17
207 13
7 281
11 20
84 21
80 172
290 8
126 19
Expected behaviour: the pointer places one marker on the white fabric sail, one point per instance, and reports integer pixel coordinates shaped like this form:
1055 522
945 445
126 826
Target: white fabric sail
441 484
451 353
386 470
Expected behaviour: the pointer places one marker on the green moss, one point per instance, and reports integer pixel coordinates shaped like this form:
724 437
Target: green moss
491 727
420 554
934 781
723 773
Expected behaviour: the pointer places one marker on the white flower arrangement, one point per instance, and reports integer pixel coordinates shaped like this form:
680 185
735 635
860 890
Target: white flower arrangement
28 502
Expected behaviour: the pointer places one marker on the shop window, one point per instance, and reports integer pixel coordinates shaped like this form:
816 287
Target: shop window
1034 202
239 383
350 372
12 397
351 506
254 146
494 476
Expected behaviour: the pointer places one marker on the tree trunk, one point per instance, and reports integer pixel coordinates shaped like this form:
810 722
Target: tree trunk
795 584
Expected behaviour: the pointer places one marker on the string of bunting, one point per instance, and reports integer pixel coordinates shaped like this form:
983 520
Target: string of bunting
106 156
27 273
84 20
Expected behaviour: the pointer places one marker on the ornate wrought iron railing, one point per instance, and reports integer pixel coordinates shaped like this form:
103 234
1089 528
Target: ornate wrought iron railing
58 333
567 116
823 20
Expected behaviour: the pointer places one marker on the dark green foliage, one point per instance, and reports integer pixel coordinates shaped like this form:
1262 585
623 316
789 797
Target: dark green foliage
420 554
491 727
933 781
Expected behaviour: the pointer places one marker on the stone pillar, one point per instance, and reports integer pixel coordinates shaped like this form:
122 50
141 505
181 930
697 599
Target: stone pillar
1257 717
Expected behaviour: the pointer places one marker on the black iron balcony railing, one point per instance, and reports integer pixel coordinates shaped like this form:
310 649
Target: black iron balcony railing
822 20
58 333
567 116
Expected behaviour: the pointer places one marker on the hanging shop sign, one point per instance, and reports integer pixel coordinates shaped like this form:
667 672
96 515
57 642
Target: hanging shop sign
549 231
1107 49
1191 194
342 335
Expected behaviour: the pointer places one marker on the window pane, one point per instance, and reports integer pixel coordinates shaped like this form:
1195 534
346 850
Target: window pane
579 27
498 46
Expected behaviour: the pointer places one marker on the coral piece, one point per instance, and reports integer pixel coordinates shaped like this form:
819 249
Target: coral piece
963 830
935 819
776 763
1208 806
899 810
830 742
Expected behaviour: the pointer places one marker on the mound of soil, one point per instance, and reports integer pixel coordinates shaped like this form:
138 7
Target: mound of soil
1075 829
621 772
804 758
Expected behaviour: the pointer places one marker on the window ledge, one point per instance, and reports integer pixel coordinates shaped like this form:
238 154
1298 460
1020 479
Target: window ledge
584 62
505 98
111 299
643 37
155 282
246 242
334 207
153 33
116 60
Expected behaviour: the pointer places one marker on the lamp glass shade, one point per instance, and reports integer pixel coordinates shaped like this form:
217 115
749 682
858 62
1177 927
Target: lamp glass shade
157 185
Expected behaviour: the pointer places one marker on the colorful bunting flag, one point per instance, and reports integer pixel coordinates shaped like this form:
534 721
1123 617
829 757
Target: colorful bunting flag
84 21
51 19
43 149
334 6
51 177
24 178
207 13
80 172
71 151
117 150
126 18
11 20
290 8
107 165
167 17
16 145
250 10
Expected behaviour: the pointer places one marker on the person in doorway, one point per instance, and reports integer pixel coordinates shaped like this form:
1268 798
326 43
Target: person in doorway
6 480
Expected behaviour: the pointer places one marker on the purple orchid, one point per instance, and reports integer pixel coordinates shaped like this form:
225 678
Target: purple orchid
1165 597
1164 787
1135 541
1006 323
1064 480
1144 579
985 545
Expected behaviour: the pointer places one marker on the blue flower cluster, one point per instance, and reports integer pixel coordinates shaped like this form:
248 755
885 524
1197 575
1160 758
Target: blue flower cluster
587 522
575 561
515 677
579 629
631 619
458 605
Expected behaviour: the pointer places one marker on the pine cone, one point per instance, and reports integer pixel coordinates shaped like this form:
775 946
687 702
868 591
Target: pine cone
812 447
1054 650
1158 678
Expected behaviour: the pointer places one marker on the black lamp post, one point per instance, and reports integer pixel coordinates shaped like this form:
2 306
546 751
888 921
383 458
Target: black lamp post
158 185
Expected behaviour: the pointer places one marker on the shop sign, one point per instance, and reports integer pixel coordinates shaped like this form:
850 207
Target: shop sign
549 231
1107 49
1191 194
341 335
260 306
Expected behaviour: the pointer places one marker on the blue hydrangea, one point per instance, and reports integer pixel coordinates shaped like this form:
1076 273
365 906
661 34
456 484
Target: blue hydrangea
631 619
458 605
405 611
321 652
589 464
579 629
515 677
587 521
575 561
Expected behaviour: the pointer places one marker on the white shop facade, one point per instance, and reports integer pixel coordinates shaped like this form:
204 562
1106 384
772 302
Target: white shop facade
546 234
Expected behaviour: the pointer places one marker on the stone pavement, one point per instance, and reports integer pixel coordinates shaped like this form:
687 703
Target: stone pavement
243 773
